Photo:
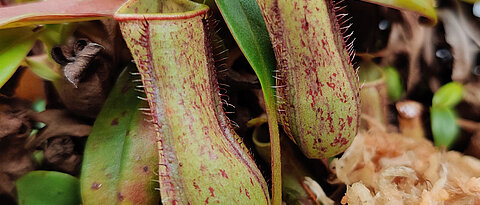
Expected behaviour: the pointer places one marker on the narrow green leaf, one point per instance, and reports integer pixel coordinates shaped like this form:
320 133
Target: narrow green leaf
14 46
245 21
42 70
444 127
48 187
120 159
448 96
425 8
394 84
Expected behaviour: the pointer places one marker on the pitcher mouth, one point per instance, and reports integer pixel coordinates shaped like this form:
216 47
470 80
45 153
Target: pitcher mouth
159 10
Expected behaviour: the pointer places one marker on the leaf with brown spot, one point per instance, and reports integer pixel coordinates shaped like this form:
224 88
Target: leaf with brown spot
120 159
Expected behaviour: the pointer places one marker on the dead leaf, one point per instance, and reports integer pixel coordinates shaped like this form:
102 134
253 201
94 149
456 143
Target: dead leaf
93 58
15 126
60 154
404 47
59 123
76 66
463 48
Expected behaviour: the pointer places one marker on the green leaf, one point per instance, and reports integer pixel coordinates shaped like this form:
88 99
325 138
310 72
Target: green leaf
42 70
48 187
449 95
394 84
444 127
39 105
56 34
425 8
14 46
120 159
245 21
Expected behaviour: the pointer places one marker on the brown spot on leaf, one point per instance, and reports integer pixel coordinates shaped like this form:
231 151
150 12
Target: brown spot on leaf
126 88
96 186
114 122
120 197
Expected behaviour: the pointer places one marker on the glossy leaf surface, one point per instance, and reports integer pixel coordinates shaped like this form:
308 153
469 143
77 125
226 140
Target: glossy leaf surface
14 46
48 187
449 95
444 127
120 159
42 70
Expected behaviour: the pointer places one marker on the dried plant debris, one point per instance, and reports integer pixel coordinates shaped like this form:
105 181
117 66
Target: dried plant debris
388 168
472 97
59 123
461 33
60 154
473 148
17 143
15 160
75 66
92 59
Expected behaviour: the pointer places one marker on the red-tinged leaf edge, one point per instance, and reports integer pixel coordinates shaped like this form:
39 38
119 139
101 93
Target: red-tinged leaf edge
56 11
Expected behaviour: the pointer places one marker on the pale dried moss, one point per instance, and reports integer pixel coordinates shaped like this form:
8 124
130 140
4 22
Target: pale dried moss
384 168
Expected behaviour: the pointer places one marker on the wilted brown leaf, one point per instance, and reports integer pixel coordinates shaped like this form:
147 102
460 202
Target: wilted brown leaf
58 123
60 154
15 159
93 58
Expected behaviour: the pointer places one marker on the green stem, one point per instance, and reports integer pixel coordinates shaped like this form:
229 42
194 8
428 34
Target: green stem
275 149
